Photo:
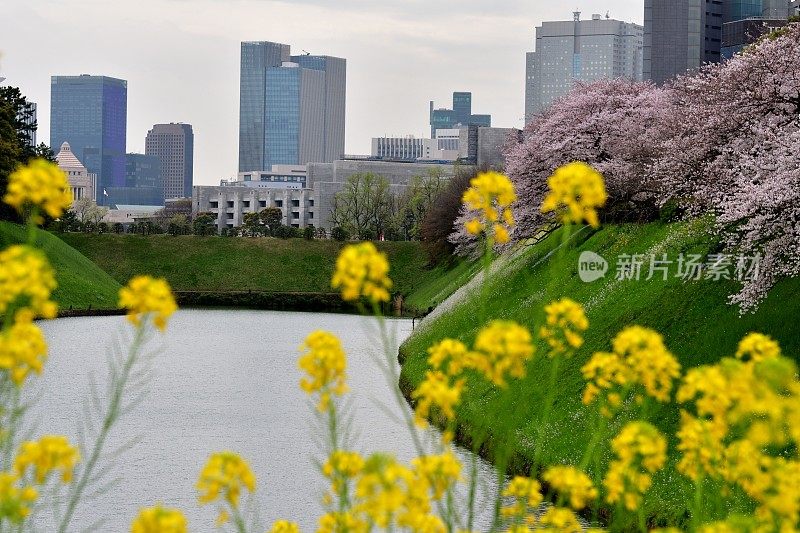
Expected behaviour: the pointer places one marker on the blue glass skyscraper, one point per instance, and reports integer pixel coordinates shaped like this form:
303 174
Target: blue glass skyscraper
90 113
291 108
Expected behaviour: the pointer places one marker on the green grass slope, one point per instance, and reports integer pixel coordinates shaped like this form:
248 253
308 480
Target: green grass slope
443 281
81 283
233 264
698 325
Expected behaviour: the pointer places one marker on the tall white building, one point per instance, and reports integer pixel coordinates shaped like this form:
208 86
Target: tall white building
580 50
82 183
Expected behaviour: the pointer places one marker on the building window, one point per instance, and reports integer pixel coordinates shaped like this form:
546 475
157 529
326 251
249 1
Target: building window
310 214
295 225
295 203
262 203
230 203
296 215
246 203
213 204
230 216
278 203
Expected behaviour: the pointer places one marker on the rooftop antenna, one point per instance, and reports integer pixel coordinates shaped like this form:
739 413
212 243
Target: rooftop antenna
306 53
608 15
576 15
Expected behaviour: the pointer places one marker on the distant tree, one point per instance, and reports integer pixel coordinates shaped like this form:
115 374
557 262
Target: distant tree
437 224
251 225
81 208
340 234
102 227
320 233
271 217
43 151
415 201
179 225
283 232
24 127
308 233
362 207
203 224
118 228
94 215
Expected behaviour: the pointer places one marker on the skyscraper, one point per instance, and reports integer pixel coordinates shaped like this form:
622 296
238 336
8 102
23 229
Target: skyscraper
291 108
681 35
173 144
579 50
747 21
90 113
459 115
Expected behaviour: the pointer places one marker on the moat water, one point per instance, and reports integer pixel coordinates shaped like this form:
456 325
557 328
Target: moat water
220 380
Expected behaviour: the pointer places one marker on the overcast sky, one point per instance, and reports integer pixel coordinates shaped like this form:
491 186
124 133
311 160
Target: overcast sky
181 58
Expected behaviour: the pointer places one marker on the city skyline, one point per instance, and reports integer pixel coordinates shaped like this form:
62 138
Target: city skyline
387 92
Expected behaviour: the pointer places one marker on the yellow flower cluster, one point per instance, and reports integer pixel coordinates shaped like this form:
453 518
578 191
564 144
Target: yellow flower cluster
362 271
145 296
742 417
325 362
40 184
640 451
502 348
565 321
526 495
26 281
15 502
576 191
558 519
450 356
490 196
639 357
571 483
284 526
22 350
159 520
387 493
49 454
757 347
436 390
224 476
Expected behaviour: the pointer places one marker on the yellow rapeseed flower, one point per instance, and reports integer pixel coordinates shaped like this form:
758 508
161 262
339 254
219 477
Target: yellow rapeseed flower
489 199
341 522
450 356
653 366
571 483
701 447
284 526
559 519
526 494
565 321
15 502
502 348
640 451
438 472
436 390
40 184
362 271
603 372
341 467
757 347
22 350
576 191
325 363
145 296
26 281
382 489
224 476
159 520
49 454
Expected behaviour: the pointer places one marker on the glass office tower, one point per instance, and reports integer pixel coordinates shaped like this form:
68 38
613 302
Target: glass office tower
460 115
292 108
90 113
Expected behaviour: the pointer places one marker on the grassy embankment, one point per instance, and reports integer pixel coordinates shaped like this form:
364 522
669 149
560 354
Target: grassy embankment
698 325
81 284
264 265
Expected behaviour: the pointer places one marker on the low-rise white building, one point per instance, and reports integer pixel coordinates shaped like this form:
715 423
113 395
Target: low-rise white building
229 204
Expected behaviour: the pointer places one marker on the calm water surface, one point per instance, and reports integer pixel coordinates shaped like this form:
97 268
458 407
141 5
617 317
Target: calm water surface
221 380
